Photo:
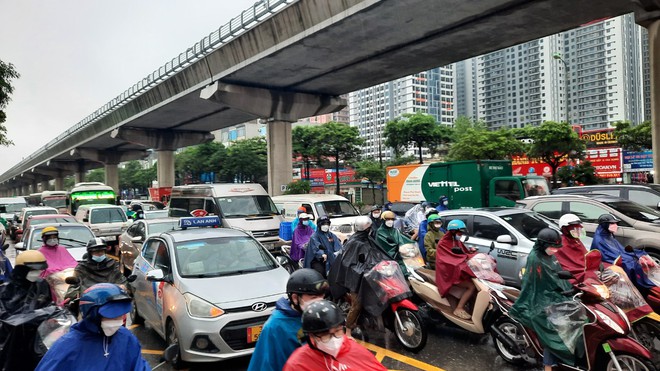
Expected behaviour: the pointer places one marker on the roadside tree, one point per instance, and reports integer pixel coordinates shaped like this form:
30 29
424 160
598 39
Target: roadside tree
341 142
553 142
194 161
246 161
305 144
7 73
372 171
473 141
634 137
584 173
96 175
418 129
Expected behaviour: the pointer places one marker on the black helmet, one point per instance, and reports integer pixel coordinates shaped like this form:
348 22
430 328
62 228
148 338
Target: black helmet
375 207
306 281
97 243
323 220
548 237
321 316
607 219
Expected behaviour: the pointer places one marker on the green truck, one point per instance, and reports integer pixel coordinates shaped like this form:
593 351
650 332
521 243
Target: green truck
468 184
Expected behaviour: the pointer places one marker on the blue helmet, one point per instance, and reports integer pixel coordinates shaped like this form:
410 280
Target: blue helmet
457 225
105 299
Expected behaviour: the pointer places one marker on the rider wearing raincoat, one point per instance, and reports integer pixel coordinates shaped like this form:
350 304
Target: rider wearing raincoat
541 289
389 239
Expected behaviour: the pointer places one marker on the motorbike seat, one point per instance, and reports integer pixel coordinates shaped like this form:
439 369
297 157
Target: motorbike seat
427 274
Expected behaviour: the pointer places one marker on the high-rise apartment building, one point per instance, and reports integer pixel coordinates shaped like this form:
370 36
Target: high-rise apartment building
430 92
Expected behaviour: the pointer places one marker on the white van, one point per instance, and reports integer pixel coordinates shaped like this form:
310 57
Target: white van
240 205
11 206
341 212
107 221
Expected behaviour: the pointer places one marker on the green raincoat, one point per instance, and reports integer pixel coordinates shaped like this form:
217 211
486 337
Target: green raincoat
541 288
389 240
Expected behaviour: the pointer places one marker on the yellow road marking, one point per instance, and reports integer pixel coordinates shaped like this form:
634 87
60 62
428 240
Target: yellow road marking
379 357
151 351
400 357
132 327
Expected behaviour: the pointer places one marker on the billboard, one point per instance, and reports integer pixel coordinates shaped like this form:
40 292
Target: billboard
637 161
523 165
602 138
607 162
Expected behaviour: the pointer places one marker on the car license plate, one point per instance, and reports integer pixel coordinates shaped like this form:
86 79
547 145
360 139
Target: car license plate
110 238
253 333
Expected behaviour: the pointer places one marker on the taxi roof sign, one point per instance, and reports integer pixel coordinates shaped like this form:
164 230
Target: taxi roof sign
205 221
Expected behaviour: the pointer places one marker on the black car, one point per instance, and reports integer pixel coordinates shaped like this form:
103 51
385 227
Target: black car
647 195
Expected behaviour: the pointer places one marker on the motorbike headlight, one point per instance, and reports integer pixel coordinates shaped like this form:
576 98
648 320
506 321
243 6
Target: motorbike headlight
610 322
201 308
603 291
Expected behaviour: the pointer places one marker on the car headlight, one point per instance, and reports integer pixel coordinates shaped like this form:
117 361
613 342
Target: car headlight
334 228
201 308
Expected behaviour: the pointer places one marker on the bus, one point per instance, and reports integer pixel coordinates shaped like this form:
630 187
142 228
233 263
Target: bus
56 199
89 193
34 199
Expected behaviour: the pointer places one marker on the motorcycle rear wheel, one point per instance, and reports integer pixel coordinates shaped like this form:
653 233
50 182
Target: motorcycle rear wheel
414 334
647 332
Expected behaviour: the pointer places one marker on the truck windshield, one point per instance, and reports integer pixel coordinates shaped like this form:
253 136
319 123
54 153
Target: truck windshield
223 256
536 187
245 206
56 202
635 211
335 209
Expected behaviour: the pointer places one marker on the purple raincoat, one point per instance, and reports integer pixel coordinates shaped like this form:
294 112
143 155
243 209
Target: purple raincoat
301 236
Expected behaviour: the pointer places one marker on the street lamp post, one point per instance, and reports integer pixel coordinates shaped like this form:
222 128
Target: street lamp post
559 58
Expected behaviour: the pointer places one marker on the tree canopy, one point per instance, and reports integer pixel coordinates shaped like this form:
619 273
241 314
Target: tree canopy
340 141
418 129
634 137
246 161
473 141
7 73
305 141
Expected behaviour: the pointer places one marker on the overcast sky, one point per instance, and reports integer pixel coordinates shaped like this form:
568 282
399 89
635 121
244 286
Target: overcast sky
76 55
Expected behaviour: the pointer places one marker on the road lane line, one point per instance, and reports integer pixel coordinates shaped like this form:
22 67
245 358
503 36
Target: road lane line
132 327
380 356
153 352
400 357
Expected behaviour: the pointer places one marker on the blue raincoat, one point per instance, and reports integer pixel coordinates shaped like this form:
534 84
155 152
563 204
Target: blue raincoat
421 233
5 268
611 249
281 335
322 243
84 348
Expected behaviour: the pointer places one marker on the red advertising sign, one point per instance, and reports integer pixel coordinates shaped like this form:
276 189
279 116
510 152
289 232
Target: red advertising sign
607 162
522 165
345 176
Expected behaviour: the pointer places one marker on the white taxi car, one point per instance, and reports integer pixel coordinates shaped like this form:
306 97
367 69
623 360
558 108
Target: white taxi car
208 289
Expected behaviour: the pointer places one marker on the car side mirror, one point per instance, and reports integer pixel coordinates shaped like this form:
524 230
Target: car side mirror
137 239
565 275
155 275
19 246
505 238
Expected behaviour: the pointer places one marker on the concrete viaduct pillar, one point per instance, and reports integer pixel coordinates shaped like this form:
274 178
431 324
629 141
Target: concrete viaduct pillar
110 159
59 183
165 142
281 108
647 14
44 185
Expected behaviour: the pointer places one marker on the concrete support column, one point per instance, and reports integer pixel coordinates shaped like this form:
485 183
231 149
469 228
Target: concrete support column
35 186
59 183
280 149
165 168
44 185
79 176
112 177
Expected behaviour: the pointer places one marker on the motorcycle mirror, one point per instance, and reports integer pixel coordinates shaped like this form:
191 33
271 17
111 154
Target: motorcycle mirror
72 280
565 275
131 278
171 354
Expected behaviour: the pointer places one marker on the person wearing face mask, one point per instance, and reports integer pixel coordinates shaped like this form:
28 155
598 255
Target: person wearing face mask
376 221
96 268
443 203
328 347
322 249
451 268
99 341
296 221
542 288
389 239
282 333
571 255
423 229
57 256
614 253
22 294
301 236
432 238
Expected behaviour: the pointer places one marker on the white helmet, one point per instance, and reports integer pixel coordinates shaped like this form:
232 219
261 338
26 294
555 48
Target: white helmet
569 219
362 223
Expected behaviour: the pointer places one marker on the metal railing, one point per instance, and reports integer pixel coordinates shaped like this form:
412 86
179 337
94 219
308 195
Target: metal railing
238 25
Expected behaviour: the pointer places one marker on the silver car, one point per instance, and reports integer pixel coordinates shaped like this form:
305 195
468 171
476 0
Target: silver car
208 289
511 231
73 236
130 242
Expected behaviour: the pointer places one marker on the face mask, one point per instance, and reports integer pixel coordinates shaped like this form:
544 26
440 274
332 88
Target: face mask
109 327
613 228
99 258
389 223
305 222
445 203
437 225
331 347
576 232
375 215
551 251
33 275
325 228
457 237
52 242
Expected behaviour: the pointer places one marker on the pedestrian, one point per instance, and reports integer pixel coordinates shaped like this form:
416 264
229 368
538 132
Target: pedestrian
322 249
301 236
99 341
541 289
432 238
282 333
329 348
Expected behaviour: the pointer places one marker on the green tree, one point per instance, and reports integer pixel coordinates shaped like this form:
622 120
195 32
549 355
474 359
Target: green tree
7 73
305 143
372 171
583 173
246 161
69 182
202 158
340 141
418 129
634 138
96 175
553 142
473 141
298 187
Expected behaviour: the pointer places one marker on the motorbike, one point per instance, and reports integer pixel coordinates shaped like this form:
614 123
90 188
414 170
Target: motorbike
400 315
488 282
284 258
606 331
58 284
